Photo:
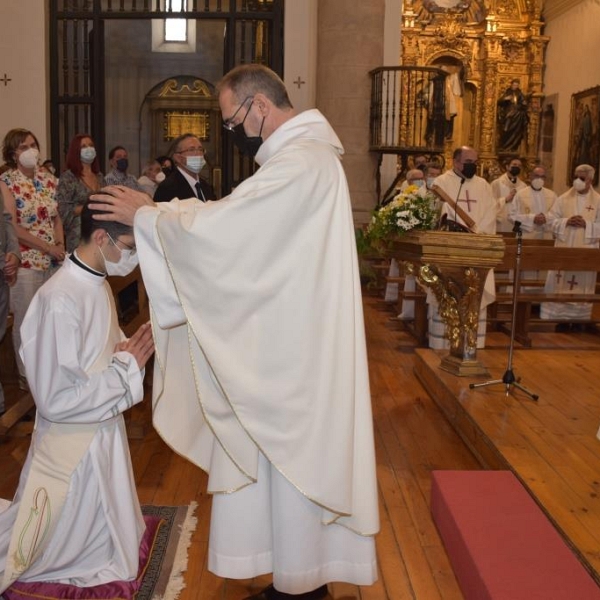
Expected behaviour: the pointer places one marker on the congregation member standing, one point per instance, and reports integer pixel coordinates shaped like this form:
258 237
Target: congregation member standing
184 181
34 211
118 159
10 258
474 195
574 220
87 523
263 380
75 185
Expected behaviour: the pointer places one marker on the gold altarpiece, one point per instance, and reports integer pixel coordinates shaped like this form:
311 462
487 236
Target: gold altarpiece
483 45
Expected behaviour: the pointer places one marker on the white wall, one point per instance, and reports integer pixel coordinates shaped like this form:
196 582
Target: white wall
23 43
571 67
300 52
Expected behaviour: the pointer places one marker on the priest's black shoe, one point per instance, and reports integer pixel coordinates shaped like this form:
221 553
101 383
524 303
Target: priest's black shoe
270 593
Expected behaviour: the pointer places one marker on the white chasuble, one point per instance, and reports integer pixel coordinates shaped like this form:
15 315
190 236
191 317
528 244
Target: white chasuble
77 480
475 197
572 282
257 315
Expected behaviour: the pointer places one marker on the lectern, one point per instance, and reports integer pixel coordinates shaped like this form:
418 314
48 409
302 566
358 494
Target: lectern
454 267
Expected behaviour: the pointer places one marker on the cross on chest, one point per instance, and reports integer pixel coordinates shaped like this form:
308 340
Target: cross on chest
572 282
588 208
468 200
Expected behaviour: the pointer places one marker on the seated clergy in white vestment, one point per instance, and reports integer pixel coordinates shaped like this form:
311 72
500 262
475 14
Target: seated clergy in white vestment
75 518
474 195
575 222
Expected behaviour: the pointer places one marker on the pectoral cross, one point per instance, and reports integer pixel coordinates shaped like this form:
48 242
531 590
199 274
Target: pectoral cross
467 200
572 283
588 208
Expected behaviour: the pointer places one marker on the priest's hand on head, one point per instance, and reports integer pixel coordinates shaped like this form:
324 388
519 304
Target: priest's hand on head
140 344
119 203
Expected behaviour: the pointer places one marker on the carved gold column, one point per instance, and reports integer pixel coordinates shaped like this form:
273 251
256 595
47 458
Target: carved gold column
454 267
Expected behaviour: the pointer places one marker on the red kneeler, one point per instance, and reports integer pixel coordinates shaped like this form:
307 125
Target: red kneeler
500 543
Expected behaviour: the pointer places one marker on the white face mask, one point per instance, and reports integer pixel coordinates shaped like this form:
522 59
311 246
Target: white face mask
429 182
87 155
127 262
418 182
537 183
29 159
195 163
160 177
578 184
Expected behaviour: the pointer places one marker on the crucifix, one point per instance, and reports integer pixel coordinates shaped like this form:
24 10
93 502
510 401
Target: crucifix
5 80
558 276
298 82
467 200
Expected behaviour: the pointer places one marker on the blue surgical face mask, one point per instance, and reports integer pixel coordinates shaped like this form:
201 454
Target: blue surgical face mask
195 163
122 164
418 182
87 155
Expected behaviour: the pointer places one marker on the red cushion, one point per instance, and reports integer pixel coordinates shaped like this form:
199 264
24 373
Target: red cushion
500 543
115 590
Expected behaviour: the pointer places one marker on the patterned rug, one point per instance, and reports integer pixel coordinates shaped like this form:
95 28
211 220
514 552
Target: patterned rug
163 560
163 578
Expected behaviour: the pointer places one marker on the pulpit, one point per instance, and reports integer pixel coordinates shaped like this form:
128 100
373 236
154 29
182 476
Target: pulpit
454 267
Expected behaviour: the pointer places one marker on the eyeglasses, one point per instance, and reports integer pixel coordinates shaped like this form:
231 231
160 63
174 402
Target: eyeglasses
229 123
129 247
191 151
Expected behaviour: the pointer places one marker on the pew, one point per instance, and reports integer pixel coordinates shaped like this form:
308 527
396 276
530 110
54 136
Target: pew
537 255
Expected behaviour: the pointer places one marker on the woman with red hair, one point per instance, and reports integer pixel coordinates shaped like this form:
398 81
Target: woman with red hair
75 185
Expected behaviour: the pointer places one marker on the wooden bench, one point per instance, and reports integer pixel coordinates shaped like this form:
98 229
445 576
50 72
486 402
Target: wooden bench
500 543
537 255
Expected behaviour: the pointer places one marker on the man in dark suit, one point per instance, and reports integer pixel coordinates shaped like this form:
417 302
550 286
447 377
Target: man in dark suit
184 182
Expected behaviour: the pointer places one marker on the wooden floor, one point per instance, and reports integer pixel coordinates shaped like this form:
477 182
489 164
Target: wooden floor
413 437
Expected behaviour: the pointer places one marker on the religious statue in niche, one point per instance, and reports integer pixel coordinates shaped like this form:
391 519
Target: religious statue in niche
513 117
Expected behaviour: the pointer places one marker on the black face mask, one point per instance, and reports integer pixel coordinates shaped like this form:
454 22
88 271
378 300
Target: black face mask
514 171
469 170
167 171
247 145
122 164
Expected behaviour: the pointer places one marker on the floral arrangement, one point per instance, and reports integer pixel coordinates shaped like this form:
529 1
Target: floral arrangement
409 210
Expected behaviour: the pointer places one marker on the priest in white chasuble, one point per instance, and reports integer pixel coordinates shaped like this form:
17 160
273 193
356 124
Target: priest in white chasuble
75 518
574 220
261 370
474 196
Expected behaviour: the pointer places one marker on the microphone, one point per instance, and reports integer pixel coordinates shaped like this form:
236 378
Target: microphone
462 180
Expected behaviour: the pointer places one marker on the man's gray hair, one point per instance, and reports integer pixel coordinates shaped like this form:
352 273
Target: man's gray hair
245 81
588 169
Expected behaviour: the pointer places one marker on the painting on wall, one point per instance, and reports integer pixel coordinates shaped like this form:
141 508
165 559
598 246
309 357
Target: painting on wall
547 138
584 143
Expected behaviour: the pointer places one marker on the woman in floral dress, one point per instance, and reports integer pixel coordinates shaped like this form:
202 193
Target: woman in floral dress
32 204
81 179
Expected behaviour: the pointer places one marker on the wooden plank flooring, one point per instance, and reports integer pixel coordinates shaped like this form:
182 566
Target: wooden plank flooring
550 445
412 436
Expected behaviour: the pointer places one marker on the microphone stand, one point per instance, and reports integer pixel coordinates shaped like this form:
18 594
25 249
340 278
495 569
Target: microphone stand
509 379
